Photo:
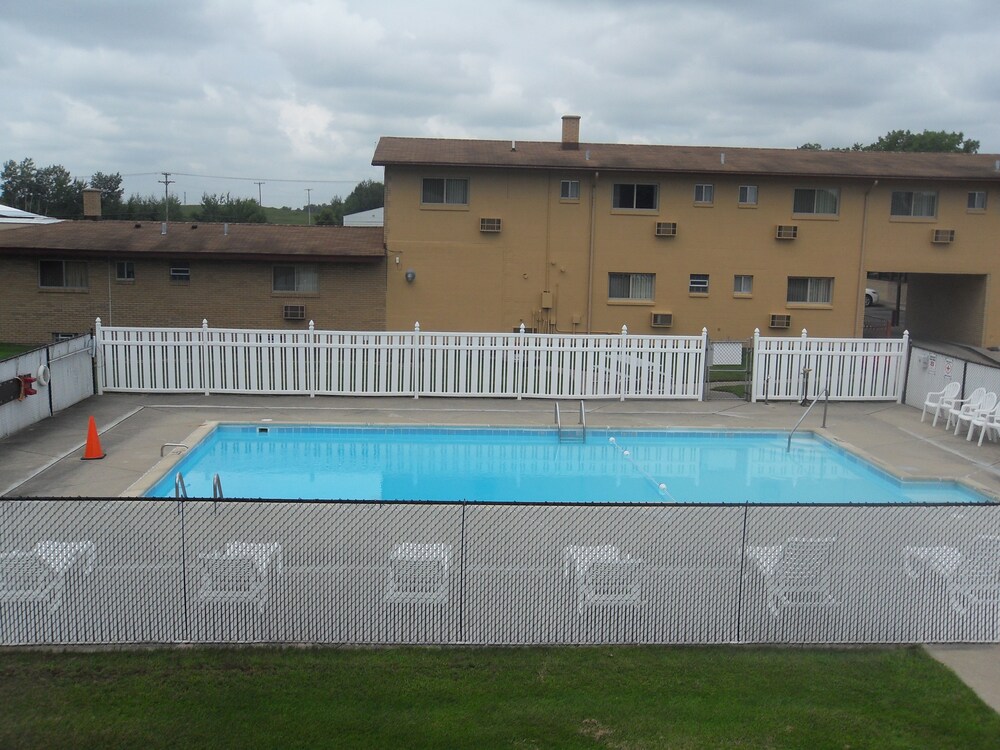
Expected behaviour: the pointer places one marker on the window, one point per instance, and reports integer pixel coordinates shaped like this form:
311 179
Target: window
742 284
810 290
125 270
698 283
300 278
748 195
180 270
913 203
569 190
629 195
637 286
977 200
815 201
62 274
704 193
442 190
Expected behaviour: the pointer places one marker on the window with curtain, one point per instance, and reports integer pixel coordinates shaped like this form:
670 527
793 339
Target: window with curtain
817 290
815 201
742 284
977 200
295 278
569 190
704 193
62 274
453 191
636 286
748 195
913 203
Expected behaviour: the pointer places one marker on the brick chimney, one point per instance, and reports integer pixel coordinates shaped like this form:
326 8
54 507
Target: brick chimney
91 203
571 132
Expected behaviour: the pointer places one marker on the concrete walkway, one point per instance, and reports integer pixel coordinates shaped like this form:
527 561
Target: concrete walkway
43 460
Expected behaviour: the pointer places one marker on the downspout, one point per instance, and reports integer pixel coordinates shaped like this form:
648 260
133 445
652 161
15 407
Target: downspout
859 300
590 260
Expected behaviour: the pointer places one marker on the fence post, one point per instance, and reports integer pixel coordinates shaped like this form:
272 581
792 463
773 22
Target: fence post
754 368
99 355
523 352
904 368
311 359
416 369
622 346
204 355
704 363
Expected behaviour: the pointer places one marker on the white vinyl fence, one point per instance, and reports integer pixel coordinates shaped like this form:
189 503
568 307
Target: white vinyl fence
123 571
793 369
71 379
521 365
498 365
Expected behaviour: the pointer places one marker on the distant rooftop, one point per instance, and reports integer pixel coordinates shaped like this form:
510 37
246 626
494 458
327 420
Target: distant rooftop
237 241
373 218
11 215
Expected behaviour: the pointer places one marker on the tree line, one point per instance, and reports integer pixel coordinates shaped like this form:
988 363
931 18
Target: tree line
52 191
937 141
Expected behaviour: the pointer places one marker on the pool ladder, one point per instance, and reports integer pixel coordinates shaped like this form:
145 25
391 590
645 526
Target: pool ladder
180 489
576 434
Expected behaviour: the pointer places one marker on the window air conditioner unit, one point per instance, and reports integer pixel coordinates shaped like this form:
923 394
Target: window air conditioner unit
661 320
780 321
943 236
666 229
489 225
294 312
786 231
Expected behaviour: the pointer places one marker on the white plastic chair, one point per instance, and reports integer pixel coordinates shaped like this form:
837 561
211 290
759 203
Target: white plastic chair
989 425
943 399
961 405
986 407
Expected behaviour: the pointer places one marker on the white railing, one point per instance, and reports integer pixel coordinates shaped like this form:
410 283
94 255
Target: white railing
793 369
503 365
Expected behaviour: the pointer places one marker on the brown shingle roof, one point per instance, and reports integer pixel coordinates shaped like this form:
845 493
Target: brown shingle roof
237 241
685 159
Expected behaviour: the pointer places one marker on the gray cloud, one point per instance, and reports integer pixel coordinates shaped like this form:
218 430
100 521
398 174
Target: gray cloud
301 90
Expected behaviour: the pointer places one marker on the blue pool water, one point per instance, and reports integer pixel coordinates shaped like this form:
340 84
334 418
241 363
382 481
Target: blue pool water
531 465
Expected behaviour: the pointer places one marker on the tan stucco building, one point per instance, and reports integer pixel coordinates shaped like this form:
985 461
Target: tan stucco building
586 237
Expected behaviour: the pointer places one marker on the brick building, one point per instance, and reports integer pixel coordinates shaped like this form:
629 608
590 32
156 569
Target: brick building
58 278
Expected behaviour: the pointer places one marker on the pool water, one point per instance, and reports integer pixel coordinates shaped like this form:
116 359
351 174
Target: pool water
532 465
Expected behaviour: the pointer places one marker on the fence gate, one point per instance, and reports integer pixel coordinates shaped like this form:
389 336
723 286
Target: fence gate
728 368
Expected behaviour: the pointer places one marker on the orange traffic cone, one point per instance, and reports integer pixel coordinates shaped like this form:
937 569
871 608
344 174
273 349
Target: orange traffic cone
93 449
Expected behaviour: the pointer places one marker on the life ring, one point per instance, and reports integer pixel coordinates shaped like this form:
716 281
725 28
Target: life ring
43 376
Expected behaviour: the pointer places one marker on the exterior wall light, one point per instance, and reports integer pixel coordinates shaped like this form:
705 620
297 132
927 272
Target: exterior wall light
410 275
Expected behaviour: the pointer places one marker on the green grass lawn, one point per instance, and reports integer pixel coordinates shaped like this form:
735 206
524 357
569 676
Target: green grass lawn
613 697
9 350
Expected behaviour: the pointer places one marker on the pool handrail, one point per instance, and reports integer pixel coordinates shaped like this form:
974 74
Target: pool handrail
826 402
180 490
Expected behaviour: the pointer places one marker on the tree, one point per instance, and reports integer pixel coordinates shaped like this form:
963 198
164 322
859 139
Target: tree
367 194
150 208
51 190
333 214
227 208
929 141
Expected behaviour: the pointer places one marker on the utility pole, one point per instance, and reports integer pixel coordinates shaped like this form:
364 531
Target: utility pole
309 214
166 194
260 201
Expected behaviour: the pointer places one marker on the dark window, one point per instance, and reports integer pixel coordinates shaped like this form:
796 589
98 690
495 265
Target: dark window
632 195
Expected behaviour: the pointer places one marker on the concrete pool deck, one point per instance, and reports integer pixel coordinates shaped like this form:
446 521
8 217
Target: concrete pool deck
44 460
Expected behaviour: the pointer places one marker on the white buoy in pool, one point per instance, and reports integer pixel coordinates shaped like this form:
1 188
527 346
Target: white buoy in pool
612 440
663 488
626 453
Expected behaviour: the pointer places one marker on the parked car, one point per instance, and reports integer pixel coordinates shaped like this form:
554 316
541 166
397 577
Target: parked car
871 297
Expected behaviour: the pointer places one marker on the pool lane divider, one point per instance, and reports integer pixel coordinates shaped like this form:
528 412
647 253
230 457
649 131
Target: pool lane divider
627 455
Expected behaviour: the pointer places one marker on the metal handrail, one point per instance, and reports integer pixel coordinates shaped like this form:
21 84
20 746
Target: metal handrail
805 414
216 488
583 420
558 420
180 490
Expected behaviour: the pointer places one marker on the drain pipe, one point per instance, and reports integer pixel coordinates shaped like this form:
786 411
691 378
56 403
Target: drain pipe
590 259
859 329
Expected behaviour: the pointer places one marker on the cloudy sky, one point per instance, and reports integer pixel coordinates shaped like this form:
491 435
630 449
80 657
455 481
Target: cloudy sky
296 93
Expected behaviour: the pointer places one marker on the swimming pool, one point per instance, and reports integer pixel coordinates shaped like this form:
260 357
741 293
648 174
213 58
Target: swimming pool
533 465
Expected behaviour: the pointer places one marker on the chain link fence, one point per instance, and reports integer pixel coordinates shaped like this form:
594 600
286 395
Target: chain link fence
118 571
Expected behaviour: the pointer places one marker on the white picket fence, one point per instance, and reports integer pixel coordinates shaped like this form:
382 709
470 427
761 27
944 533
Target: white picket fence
792 369
501 365
497 365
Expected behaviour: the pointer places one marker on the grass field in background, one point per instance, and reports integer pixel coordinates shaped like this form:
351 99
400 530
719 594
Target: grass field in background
574 697
10 350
